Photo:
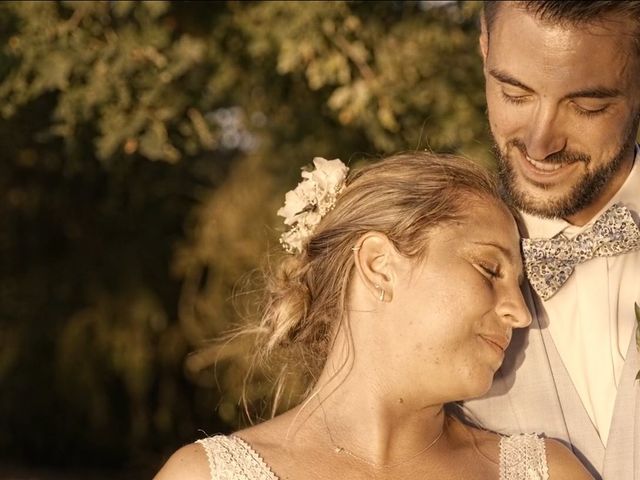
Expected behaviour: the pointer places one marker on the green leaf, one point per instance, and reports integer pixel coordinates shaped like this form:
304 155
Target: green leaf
637 310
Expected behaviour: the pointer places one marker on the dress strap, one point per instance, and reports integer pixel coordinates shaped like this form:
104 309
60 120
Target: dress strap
231 458
523 457
210 446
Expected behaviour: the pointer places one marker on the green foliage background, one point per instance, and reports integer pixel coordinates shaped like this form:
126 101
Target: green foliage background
146 147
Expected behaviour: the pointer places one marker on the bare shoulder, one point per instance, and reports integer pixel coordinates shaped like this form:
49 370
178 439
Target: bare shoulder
267 436
188 462
563 464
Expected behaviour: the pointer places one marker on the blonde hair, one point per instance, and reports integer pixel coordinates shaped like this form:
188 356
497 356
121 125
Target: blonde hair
404 197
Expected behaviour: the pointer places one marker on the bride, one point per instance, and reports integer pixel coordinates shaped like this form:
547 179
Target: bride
397 299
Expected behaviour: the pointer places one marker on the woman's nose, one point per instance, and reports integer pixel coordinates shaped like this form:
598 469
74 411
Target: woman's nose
512 308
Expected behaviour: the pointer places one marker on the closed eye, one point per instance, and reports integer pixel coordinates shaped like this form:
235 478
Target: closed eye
489 271
515 99
585 112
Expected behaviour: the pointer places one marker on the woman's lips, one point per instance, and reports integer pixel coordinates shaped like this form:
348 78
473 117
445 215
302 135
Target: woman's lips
498 342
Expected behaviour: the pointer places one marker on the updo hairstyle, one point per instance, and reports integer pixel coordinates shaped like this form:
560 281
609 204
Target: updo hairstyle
404 197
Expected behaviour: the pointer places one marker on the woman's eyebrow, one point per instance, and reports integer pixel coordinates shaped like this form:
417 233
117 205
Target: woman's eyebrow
505 251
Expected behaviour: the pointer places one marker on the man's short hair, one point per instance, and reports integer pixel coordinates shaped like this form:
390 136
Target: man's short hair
572 13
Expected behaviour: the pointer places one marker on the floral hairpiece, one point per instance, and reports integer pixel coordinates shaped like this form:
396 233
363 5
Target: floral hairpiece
314 196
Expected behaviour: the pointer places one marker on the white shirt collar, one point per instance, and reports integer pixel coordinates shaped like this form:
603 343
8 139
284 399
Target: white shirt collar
628 195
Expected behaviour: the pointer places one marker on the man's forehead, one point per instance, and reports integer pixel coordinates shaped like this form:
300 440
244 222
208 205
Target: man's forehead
598 54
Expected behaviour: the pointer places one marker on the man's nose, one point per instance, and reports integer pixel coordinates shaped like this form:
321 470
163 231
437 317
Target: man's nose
544 135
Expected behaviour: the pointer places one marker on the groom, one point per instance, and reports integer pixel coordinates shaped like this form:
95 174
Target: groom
563 96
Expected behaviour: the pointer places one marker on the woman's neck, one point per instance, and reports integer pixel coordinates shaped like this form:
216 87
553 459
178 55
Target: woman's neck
359 416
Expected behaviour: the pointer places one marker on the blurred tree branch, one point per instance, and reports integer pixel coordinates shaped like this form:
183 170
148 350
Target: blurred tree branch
146 148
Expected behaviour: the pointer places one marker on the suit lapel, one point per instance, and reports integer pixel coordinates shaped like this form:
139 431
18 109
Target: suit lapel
583 435
620 460
531 385
564 416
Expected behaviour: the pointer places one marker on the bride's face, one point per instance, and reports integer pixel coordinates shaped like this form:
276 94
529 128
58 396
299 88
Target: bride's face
457 309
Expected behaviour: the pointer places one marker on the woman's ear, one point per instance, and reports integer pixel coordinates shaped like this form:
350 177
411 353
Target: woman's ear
374 256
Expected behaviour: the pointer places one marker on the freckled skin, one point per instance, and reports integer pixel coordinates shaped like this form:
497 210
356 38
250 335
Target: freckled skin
448 301
544 119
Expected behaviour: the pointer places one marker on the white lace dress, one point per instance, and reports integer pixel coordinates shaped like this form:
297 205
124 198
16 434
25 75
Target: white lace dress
522 457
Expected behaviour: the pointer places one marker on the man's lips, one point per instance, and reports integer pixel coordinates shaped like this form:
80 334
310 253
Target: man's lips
544 172
545 166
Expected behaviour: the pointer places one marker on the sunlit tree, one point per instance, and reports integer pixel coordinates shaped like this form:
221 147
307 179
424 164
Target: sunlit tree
146 147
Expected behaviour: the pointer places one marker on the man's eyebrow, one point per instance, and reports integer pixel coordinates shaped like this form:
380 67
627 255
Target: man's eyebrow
596 92
504 77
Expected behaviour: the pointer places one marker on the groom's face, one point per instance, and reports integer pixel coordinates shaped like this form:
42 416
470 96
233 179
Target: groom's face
563 104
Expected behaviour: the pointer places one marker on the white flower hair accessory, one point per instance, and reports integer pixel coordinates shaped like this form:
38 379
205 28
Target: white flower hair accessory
314 196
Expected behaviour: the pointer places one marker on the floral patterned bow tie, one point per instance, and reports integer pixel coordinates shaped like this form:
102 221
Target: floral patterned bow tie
550 262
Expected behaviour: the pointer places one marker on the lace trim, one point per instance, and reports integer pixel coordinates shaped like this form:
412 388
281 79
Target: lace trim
210 457
523 457
231 458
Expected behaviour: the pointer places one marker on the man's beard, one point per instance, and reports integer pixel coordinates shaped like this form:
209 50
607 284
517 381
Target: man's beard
582 194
